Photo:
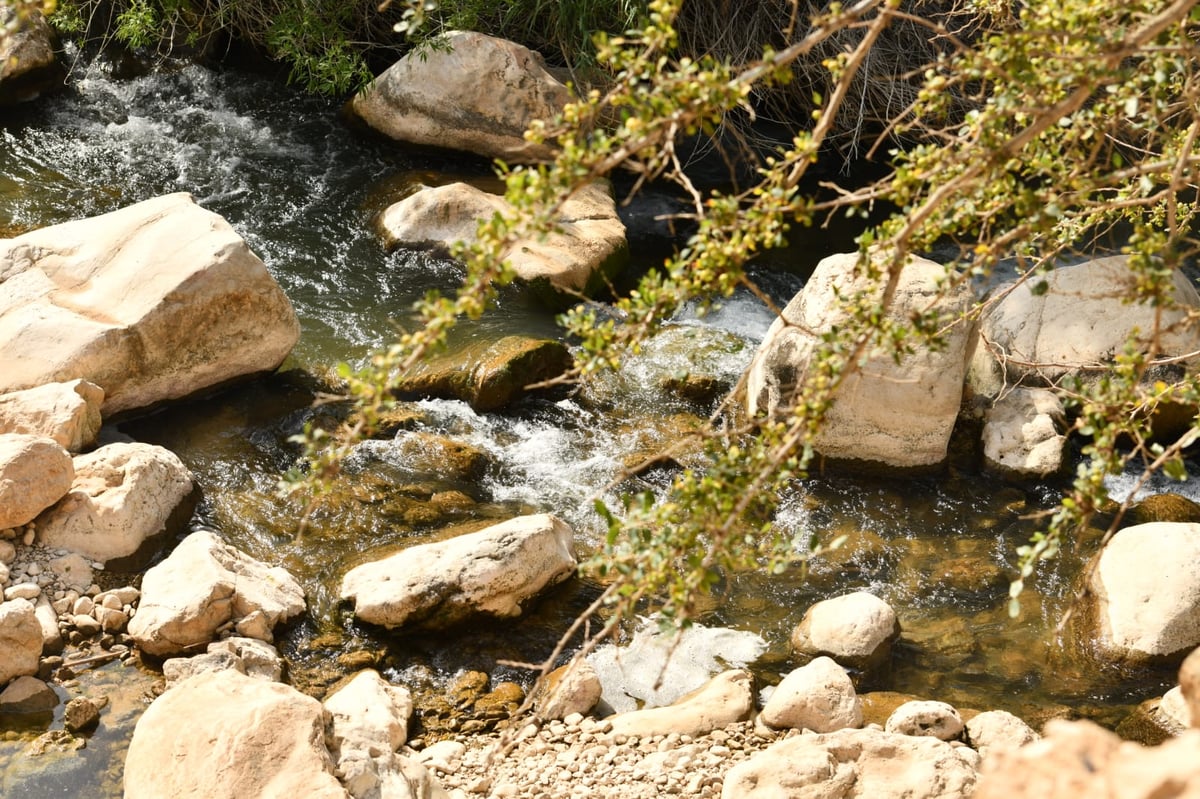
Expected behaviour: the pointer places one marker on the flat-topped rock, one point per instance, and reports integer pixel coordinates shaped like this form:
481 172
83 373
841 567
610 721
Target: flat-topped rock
152 302
493 572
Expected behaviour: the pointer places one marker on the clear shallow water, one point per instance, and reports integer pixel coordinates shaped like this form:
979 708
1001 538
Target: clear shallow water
301 187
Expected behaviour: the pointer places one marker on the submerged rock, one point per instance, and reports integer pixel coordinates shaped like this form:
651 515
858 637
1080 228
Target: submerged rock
468 91
201 586
122 495
586 248
896 413
488 375
223 735
856 764
493 572
67 412
152 302
35 473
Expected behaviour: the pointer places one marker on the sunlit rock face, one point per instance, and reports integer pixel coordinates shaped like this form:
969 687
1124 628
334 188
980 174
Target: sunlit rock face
895 412
153 302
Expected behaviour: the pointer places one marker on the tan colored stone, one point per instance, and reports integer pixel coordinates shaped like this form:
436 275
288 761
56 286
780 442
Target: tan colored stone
122 495
1145 607
571 688
586 247
152 302
492 572
28 65
856 764
470 92
893 413
20 639
1079 758
223 735
202 585
35 473
926 718
1022 433
818 696
67 412
856 629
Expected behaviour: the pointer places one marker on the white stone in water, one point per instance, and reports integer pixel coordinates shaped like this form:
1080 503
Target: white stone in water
936 719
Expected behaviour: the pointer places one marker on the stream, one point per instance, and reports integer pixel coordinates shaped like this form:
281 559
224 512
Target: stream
301 187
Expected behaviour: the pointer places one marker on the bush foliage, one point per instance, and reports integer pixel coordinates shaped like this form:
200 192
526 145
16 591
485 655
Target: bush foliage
1031 132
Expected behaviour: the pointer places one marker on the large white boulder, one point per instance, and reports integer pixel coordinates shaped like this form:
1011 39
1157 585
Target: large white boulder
67 412
856 764
223 735
1144 594
35 472
469 92
895 413
856 629
1072 320
20 639
723 700
587 247
202 585
492 572
818 696
152 302
122 495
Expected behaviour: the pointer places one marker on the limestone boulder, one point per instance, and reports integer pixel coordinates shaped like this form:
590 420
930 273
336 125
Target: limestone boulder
587 246
28 66
1079 758
1022 433
204 584
1143 607
20 639
493 572
726 698
223 735
28 695
153 302
123 494
250 656
1189 685
35 473
889 412
368 722
856 764
67 412
926 717
469 92
998 729
1072 320
818 696
856 629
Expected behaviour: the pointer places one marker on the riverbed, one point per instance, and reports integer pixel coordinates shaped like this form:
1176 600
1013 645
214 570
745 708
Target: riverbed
301 185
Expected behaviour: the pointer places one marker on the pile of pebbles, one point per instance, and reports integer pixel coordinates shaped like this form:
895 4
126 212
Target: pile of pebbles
581 757
85 614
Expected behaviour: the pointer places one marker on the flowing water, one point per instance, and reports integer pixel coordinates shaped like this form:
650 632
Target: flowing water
302 187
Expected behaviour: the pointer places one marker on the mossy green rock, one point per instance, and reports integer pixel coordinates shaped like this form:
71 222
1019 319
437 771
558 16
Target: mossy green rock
488 375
